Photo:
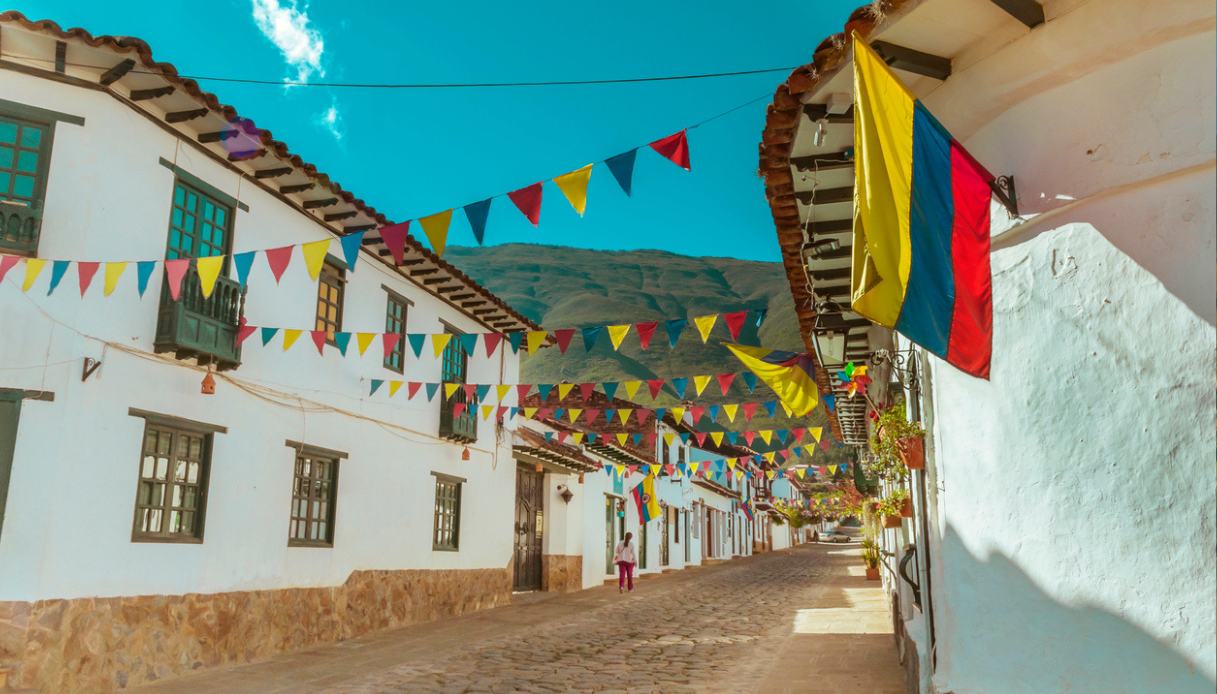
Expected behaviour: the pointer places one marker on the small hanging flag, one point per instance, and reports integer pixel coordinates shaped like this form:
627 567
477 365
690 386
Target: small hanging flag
712 412
590 334
735 321
585 391
351 243
431 389
716 437
617 334
477 213
243 262
85 270
622 168
6 263
750 380
268 334
645 331
675 327
536 338
631 388
564 390
58 269
450 390
750 410
439 342
341 341
655 385
289 338
416 340
725 381
209 271
175 270
522 392
528 201
705 324
491 342
389 342
700 383
696 412
562 336
760 315
515 339
830 401
277 259
436 228
679 385
394 237
482 390
730 410
543 390
610 389
501 391
574 186
314 256
817 432
376 384
468 342
674 148
771 406
362 340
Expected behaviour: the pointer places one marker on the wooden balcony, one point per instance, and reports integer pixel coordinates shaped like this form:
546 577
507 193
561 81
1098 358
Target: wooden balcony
19 227
462 429
204 329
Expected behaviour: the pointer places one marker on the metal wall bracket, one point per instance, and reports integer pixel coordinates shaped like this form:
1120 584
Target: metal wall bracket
89 367
1003 188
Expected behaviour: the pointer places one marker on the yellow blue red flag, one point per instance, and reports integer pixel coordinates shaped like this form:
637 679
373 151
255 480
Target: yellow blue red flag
644 497
791 375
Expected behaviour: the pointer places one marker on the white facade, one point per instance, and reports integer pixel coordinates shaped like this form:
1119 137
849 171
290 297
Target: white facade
68 527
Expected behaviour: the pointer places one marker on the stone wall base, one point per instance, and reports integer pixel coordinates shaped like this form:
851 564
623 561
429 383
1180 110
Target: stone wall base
561 573
102 644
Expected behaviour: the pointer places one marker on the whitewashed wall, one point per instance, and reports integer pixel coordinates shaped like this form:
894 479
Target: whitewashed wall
68 525
1072 495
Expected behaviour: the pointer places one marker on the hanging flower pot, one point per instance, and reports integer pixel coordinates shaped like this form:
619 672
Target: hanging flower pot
892 521
906 508
872 573
912 452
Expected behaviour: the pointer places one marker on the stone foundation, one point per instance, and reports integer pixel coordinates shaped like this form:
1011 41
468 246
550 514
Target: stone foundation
102 644
561 573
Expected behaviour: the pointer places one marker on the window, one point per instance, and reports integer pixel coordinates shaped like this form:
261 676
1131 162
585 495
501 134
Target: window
447 513
172 494
199 225
314 492
455 369
329 300
395 322
25 148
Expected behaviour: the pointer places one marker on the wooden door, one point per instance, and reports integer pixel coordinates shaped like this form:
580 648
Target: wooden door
529 525
610 541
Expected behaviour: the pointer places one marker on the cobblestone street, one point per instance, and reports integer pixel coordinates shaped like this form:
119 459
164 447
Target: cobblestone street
801 620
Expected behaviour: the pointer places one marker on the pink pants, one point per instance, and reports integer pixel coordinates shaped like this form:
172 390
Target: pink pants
625 572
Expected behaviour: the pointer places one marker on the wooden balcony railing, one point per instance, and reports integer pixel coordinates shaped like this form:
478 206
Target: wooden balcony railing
198 328
463 428
19 227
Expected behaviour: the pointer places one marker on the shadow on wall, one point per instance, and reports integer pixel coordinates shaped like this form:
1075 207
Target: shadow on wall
997 631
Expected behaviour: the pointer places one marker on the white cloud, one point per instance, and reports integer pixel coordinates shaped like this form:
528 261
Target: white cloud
331 120
287 26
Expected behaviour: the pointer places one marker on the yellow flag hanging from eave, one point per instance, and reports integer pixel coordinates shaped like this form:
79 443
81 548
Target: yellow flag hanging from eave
436 228
790 375
574 186
535 339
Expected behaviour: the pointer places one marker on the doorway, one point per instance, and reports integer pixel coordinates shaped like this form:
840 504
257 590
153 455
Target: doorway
529 525
610 540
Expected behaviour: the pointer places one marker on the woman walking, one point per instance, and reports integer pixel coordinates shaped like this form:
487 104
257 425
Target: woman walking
625 558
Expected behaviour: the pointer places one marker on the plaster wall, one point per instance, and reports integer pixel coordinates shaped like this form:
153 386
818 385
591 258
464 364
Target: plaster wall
1072 497
67 531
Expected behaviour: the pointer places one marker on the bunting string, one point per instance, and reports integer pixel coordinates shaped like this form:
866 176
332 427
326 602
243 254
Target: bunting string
739 468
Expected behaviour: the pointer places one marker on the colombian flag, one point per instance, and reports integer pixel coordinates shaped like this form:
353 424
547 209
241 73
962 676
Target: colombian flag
644 497
790 375
921 223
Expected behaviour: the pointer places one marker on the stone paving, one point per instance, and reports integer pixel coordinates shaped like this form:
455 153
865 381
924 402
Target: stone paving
799 620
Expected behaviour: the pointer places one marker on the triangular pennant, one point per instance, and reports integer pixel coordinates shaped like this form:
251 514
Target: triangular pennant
749 437
563 336
771 407
528 201
314 256
59 268
289 338
678 412
477 213
766 435
574 186
750 410
645 331
482 391
435 226
209 271
705 324
389 342
590 334
458 409
394 237
641 414
617 334
655 385
515 339
362 340
536 338
277 259
749 380
416 340
143 273
268 334
501 391
679 385
522 392
468 342
351 243
439 341
530 412
631 388
700 383
319 337
735 321
700 437
622 438
675 327
376 384
725 381
622 168
716 437
674 148
7 262
85 270
175 270
712 412
730 410
564 390
431 389
574 413
623 414
486 410
592 413
610 389
543 390
342 340
450 390
608 415
696 412
491 342
113 272
585 391
243 262
817 433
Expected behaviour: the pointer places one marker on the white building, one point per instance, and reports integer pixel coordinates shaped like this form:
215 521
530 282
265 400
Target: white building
1064 523
147 529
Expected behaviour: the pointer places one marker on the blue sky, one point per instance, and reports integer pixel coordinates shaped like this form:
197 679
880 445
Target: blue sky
414 152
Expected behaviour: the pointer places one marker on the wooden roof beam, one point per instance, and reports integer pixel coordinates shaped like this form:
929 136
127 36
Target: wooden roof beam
273 173
424 271
339 216
823 162
116 72
351 229
246 156
913 61
818 111
296 188
825 196
471 304
317 204
1028 12
435 280
218 136
462 297
145 94
183 116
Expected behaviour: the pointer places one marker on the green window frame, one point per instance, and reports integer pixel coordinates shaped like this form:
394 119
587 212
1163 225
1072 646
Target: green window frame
397 310
446 535
314 497
331 289
200 225
171 492
25 155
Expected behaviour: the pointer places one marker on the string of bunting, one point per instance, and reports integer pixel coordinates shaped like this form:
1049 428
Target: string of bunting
739 466
783 436
480 391
530 340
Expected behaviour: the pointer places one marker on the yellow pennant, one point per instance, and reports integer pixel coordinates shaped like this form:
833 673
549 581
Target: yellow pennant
113 272
731 463
577 437
439 341
832 469
617 334
314 256
620 470
789 412
564 390
289 338
574 413
486 410
33 266
631 388
800 471
436 228
530 412
678 413
770 474
622 438
667 438
716 437
654 470
450 390
705 324
502 391
766 435
394 386
624 414
363 340
209 271
536 338
739 474
769 456
817 432
730 411
693 466
574 186
700 383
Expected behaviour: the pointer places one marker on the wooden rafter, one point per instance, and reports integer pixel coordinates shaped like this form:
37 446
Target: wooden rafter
116 72
913 61
1029 12
317 204
296 188
825 196
183 116
145 94
339 216
273 173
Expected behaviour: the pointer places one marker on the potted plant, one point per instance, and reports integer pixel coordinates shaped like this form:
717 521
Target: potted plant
900 438
870 556
890 508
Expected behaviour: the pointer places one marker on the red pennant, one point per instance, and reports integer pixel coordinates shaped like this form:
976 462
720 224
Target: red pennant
797 433
86 270
697 411
394 237
670 469
500 412
701 438
528 201
749 410
491 340
319 340
470 391
458 409
632 469
591 414
585 391
749 436
645 331
390 341
412 389
6 263
522 392
175 270
734 322
563 337
655 385
725 381
649 438
544 413
674 148
641 414
244 331
561 436
278 259
824 443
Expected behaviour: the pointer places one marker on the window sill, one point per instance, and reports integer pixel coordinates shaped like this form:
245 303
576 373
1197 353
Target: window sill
158 539
310 545
437 548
